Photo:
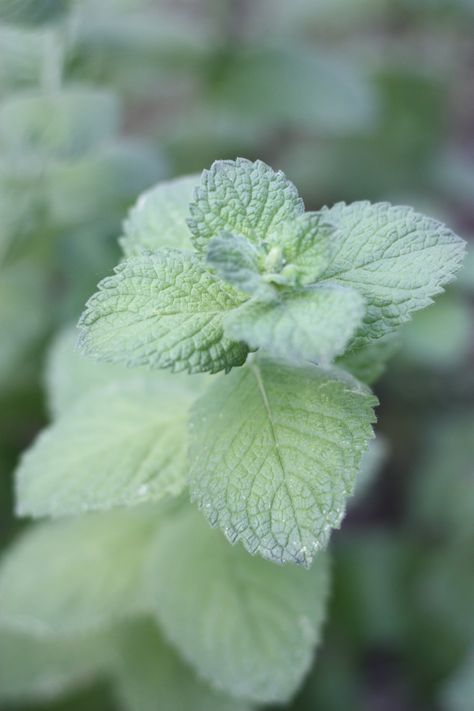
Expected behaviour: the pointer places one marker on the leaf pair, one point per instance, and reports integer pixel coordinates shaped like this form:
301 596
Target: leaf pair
246 626
274 450
185 311
264 275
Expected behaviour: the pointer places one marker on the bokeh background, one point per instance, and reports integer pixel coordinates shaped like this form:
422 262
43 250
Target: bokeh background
353 99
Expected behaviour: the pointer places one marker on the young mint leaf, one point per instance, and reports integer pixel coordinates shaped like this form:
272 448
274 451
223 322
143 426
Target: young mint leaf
235 260
159 218
67 577
397 259
246 625
306 245
164 310
274 454
149 675
120 445
299 325
33 669
241 197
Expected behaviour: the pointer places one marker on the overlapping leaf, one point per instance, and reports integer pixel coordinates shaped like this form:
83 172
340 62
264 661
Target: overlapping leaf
274 455
247 626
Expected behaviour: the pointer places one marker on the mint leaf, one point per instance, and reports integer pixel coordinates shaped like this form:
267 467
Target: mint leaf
69 375
66 577
164 310
120 445
33 669
247 626
397 259
306 245
159 218
241 197
274 454
235 260
149 675
305 325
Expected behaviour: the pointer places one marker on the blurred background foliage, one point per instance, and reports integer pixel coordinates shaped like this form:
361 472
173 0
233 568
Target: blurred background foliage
353 99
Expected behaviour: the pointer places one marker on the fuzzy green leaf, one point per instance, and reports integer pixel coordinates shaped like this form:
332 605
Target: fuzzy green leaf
66 577
246 625
306 245
119 445
163 310
308 325
235 260
244 198
274 454
397 259
159 218
149 675
33 669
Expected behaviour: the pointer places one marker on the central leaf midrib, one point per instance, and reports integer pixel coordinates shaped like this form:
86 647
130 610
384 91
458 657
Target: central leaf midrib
258 376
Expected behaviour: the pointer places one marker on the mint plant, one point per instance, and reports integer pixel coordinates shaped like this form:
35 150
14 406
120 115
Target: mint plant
274 447
294 314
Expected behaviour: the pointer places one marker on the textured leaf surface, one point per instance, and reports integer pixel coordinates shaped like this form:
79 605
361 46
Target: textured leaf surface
33 669
310 325
66 577
151 676
274 454
159 217
246 625
306 244
242 197
235 260
397 259
120 445
165 311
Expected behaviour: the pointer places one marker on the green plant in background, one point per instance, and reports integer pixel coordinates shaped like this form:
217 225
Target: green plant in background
223 273
353 99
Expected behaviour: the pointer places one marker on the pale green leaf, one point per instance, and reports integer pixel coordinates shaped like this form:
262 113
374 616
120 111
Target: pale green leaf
33 669
396 258
149 675
244 198
164 310
301 325
159 217
306 245
274 455
246 625
70 375
235 260
67 577
119 445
